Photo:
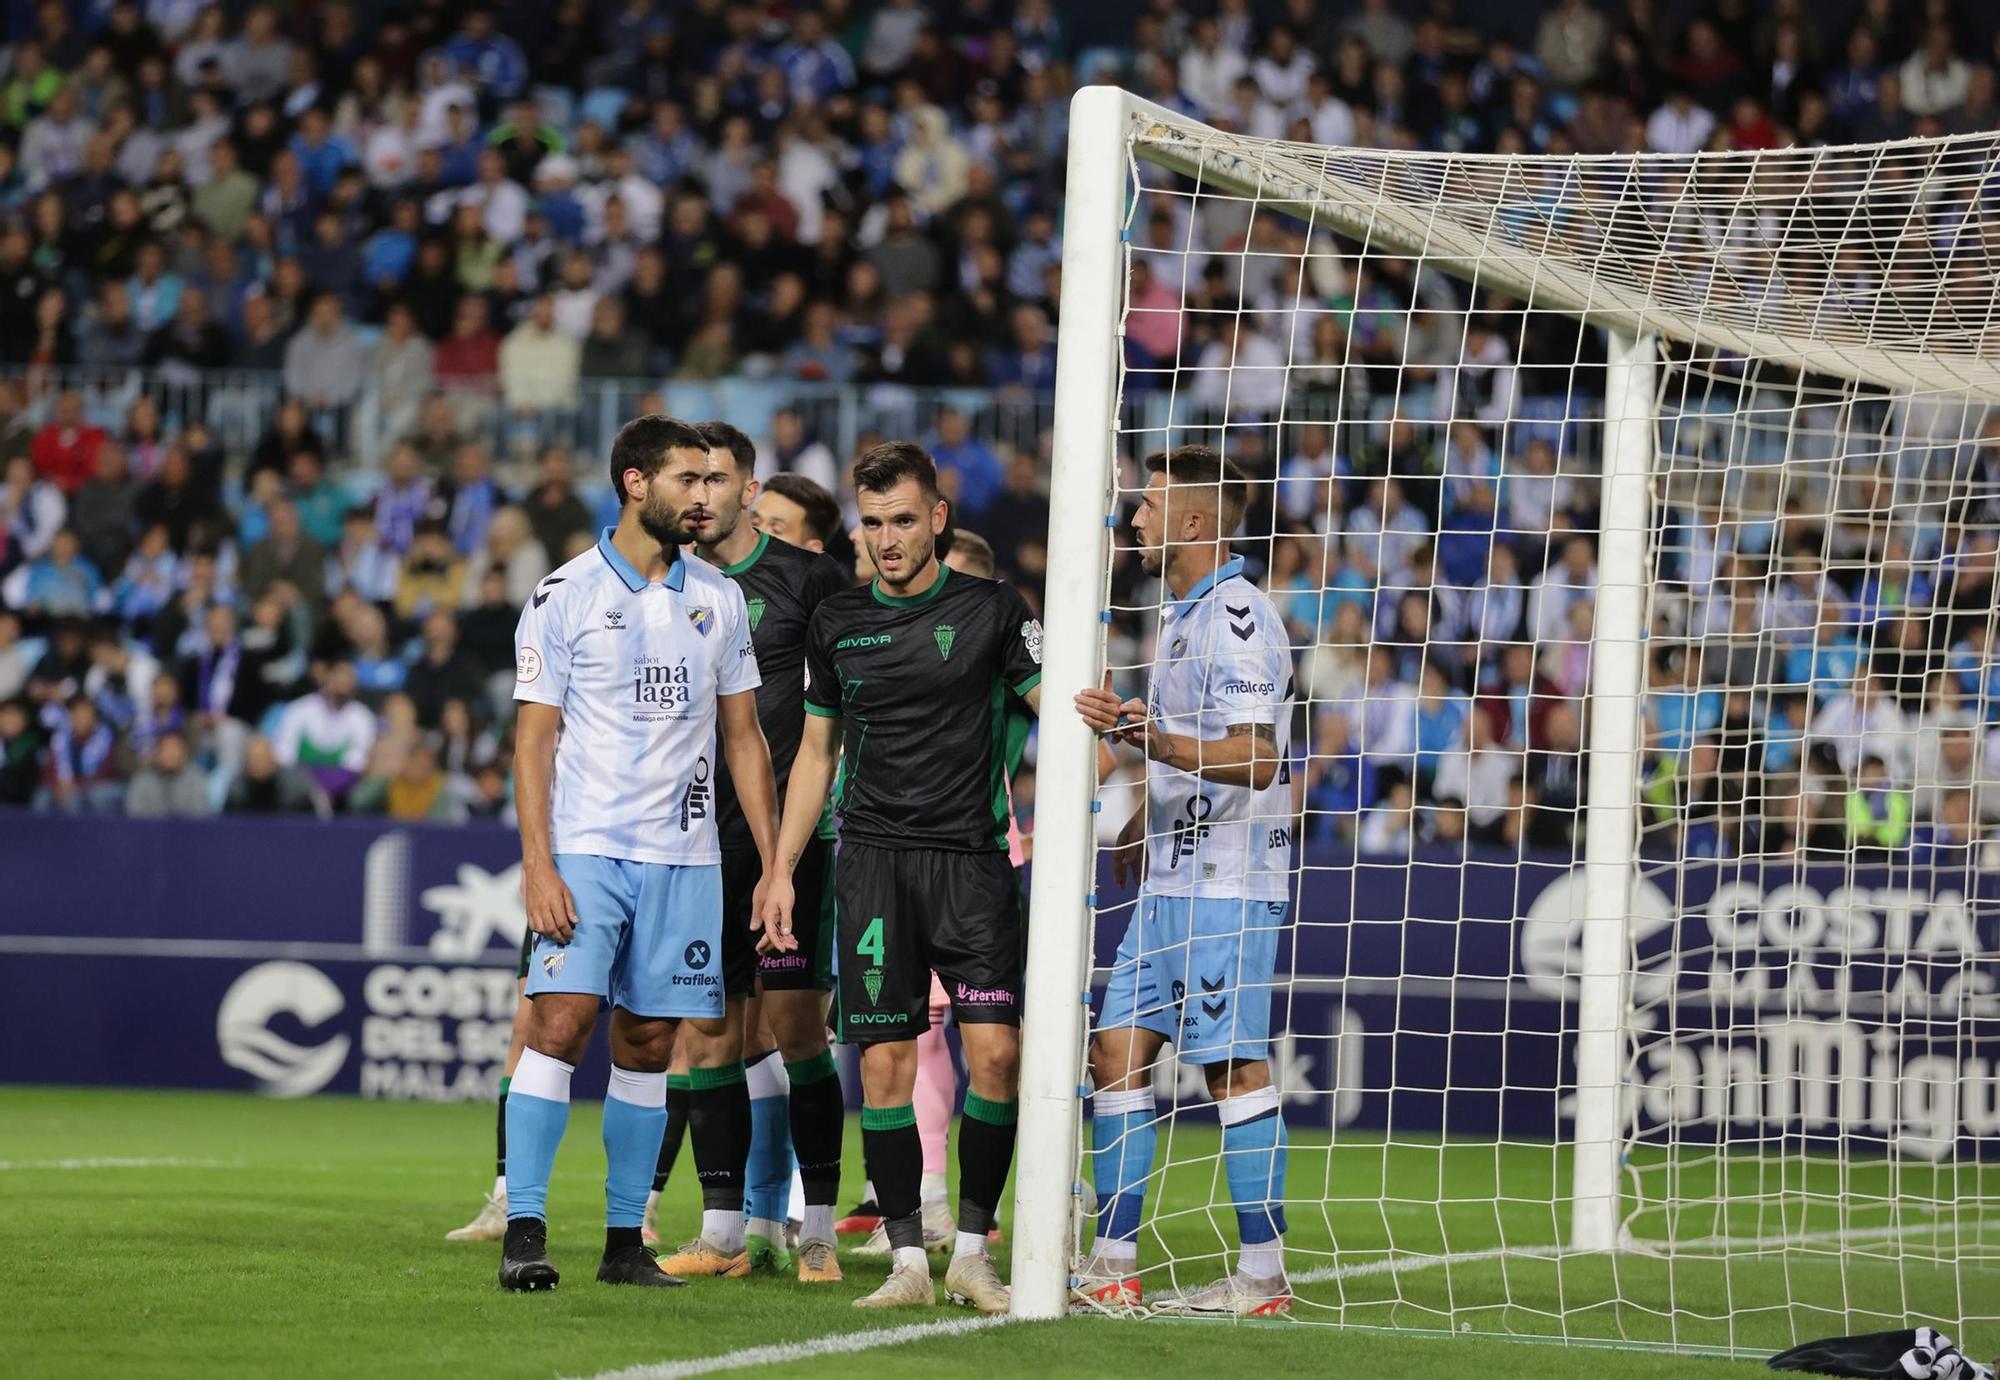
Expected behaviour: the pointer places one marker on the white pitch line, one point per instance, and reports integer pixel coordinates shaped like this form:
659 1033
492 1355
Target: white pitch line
840 1344
166 1163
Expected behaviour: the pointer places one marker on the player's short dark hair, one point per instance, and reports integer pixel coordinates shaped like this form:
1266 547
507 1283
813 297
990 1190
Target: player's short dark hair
970 544
643 444
883 467
1205 465
723 436
821 509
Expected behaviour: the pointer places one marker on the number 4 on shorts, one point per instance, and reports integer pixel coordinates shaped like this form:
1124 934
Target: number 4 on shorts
869 946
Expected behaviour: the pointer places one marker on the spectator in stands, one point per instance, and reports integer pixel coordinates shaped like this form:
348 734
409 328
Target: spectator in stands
611 351
32 511
433 571
170 785
324 362
470 360
360 561
321 502
268 787
62 583
328 734
289 556
538 364
82 771
65 449
442 672
22 744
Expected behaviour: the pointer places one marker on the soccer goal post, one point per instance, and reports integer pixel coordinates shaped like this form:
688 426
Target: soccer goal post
1635 521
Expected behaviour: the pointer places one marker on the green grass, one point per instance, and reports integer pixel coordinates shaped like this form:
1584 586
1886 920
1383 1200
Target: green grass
300 1239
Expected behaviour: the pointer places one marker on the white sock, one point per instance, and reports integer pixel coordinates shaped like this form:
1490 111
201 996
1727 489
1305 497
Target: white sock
818 1223
773 1232
796 1210
767 1078
969 1243
1109 1257
1265 1260
868 1192
652 1200
723 1229
933 1189
911 1257
500 1187
537 1075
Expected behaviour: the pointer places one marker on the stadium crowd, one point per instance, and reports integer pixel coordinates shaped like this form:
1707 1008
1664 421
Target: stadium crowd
433 230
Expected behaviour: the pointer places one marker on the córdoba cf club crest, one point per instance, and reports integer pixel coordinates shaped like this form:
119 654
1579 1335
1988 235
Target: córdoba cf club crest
945 635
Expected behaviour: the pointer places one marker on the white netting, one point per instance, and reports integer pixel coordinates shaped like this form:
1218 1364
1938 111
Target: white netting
1407 354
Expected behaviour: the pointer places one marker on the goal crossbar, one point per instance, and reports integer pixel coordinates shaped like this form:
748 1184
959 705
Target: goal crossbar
1571 234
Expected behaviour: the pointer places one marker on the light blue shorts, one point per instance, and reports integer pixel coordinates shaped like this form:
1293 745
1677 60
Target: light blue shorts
1198 970
648 937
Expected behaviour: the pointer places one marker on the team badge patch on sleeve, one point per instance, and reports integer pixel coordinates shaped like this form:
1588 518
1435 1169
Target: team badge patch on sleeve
1031 637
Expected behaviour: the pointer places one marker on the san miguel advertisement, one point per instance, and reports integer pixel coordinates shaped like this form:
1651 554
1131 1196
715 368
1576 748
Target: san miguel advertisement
1431 995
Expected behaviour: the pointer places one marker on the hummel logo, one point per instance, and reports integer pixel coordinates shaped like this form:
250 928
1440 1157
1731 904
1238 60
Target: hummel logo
614 619
1240 622
1213 1007
542 594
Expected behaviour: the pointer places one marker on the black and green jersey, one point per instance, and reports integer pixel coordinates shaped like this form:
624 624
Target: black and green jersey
921 684
782 584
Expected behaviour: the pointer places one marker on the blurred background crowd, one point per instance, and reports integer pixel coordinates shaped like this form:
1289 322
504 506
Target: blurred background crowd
315 319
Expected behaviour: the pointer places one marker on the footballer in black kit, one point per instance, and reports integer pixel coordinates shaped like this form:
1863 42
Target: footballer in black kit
782 584
908 683
921 684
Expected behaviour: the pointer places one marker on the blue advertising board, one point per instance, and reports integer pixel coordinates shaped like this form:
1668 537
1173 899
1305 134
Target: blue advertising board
1431 995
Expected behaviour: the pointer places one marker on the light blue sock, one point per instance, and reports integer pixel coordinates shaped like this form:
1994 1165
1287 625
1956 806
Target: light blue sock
767 1174
1253 1160
537 1115
635 1121
1124 1135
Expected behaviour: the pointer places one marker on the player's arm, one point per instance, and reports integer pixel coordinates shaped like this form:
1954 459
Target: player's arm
1247 754
805 797
749 758
551 909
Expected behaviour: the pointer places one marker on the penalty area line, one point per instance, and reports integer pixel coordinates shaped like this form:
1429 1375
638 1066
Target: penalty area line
781 1353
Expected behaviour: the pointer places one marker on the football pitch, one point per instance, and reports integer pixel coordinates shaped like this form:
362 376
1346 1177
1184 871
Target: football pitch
181 1234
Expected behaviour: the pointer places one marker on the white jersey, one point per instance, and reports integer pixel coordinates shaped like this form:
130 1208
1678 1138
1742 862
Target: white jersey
1223 658
635 669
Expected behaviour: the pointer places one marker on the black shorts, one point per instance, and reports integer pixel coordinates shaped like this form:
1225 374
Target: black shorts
904 914
810 968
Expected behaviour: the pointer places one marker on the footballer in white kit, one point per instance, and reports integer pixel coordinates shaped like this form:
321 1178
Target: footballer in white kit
628 659
1196 966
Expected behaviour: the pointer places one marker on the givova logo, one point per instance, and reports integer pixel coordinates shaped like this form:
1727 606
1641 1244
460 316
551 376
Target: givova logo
243 1028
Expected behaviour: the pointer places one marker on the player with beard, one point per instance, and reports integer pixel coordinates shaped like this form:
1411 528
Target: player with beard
909 679
1197 963
626 660
775 1038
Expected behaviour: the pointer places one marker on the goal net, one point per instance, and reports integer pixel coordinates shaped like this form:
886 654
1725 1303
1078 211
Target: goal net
1634 523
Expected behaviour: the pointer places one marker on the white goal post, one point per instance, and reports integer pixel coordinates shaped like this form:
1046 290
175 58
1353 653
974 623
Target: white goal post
1728 274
